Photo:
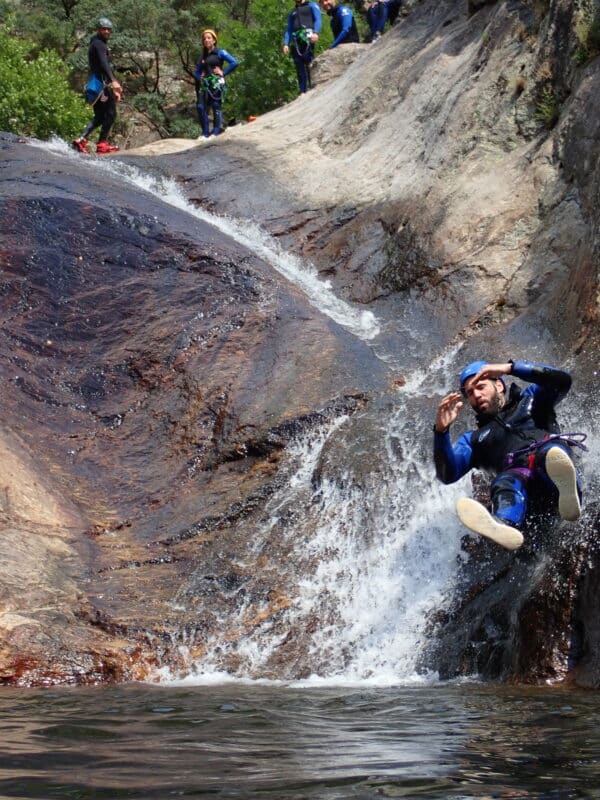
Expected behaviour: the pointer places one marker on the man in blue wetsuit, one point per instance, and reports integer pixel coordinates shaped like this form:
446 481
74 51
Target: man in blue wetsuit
302 31
517 441
343 24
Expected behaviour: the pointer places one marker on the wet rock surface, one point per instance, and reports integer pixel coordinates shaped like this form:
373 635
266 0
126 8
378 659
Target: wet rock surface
153 374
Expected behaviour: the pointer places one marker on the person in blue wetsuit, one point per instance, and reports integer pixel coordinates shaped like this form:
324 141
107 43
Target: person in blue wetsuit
302 32
343 24
517 440
210 82
377 15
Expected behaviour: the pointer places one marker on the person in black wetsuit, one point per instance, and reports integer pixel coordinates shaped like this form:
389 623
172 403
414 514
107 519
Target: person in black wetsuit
343 24
105 104
301 33
517 441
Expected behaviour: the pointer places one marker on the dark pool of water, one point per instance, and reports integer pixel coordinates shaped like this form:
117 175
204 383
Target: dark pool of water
240 741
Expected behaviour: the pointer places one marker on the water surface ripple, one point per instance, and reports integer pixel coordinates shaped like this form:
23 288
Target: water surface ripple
248 741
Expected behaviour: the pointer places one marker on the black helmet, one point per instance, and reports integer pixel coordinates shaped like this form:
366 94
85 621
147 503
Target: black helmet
104 22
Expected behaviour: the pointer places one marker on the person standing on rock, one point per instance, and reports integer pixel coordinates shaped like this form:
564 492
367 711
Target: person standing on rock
517 441
210 82
377 14
109 91
302 32
343 24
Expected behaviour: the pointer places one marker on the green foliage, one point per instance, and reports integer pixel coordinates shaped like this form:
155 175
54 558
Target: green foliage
587 30
36 99
547 107
265 78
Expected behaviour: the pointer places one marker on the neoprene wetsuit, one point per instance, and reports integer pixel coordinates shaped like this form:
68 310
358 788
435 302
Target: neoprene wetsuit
105 108
210 88
343 26
528 416
306 17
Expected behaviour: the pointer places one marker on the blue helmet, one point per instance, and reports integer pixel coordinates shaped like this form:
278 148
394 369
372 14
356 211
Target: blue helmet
470 370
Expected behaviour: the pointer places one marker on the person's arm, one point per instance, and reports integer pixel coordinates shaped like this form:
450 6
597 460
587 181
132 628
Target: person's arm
551 384
199 73
555 383
287 36
347 17
451 463
317 18
231 61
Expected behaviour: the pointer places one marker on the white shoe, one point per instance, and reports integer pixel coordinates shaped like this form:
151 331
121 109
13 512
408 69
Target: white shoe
478 519
561 472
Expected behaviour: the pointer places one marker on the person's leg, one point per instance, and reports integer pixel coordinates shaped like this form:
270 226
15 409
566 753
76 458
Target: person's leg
509 503
509 496
556 469
96 121
393 9
478 519
217 116
109 115
203 113
301 70
381 17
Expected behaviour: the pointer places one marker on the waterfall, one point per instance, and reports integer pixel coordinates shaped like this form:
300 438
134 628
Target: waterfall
371 560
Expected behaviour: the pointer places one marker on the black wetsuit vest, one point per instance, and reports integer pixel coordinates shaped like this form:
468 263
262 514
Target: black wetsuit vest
212 60
518 424
337 25
302 17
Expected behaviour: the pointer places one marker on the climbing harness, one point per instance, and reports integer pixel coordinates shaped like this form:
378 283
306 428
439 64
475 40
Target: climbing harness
569 439
214 86
301 41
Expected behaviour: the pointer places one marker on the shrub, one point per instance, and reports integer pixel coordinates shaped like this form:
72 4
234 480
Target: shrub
587 30
36 99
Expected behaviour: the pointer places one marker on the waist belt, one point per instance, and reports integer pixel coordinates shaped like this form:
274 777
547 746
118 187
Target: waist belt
569 439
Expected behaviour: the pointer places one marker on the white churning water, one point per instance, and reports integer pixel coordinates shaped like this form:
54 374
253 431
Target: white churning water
370 561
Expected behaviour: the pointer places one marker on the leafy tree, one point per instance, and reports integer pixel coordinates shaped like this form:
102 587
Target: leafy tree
36 99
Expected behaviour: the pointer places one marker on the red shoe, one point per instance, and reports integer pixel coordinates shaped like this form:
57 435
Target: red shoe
81 145
103 148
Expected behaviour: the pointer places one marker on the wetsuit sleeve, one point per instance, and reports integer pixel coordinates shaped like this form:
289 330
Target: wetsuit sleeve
346 17
551 384
231 61
317 17
287 37
199 70
451 462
